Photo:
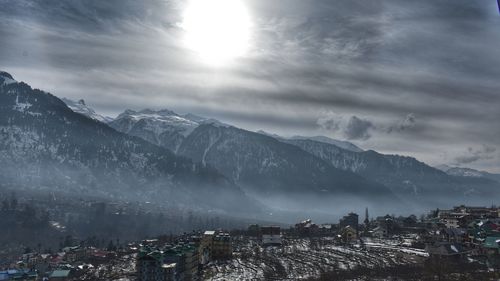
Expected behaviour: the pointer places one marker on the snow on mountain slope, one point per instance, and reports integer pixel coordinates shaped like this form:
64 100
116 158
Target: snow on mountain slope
468 172
464 172
45 145
82 108
6 78
161 127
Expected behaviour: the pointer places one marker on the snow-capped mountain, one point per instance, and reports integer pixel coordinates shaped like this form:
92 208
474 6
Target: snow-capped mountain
6 78
269 168
342 144
161 127
468 172
406 176
464 172
82 108
45 145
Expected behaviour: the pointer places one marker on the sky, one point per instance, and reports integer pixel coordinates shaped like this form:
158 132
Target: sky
417 78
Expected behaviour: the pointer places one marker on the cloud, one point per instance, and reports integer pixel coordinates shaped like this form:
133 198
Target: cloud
485 152
358 129
352 128
407 123
329 121
357 58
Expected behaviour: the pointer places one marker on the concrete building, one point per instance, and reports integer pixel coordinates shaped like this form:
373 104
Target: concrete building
351 219
271 236
222 247
215 246
172 263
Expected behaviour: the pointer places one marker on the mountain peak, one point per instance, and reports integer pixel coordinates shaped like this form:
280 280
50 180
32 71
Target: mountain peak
6 75
6 78
82 108
148 111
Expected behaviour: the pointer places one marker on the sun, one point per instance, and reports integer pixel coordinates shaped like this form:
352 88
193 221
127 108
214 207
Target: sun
217 30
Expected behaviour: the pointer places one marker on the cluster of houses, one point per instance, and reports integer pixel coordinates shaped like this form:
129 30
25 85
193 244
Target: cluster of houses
466 232
63 265
184 259
462 233
459 233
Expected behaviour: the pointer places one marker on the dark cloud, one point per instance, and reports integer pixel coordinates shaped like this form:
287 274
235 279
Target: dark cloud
358 129
352 128
475 154
370 62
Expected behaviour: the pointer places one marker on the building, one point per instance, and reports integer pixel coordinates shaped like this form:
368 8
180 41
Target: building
348 234
186 260
151 267
351 219
206 244
222 248
379 232
456 235
492 245
306 228
73 254
446 250
271 236
14 274
60 275
215 246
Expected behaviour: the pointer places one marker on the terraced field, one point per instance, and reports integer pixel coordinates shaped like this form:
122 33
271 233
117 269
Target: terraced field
306 258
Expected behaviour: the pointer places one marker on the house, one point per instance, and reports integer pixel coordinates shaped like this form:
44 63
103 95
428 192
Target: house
351 219
326 229
59 275
25 276
73 254
306 228
457 235
492 245
446 250
389 224
348 234
379 232
271 236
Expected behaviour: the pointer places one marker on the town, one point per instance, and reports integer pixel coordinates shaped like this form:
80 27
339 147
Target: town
461 243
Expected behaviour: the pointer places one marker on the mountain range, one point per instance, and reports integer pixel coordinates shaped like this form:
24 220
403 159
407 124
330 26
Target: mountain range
468 172
49 143
45 145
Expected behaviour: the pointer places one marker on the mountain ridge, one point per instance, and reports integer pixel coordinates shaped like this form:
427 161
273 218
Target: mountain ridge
46 145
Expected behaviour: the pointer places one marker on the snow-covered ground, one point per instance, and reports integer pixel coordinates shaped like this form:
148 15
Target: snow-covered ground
305 258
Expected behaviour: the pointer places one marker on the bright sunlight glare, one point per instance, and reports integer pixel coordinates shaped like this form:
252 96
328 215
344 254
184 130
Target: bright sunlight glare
218 30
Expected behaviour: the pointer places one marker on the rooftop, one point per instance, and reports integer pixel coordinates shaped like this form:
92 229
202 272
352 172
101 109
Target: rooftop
59 273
